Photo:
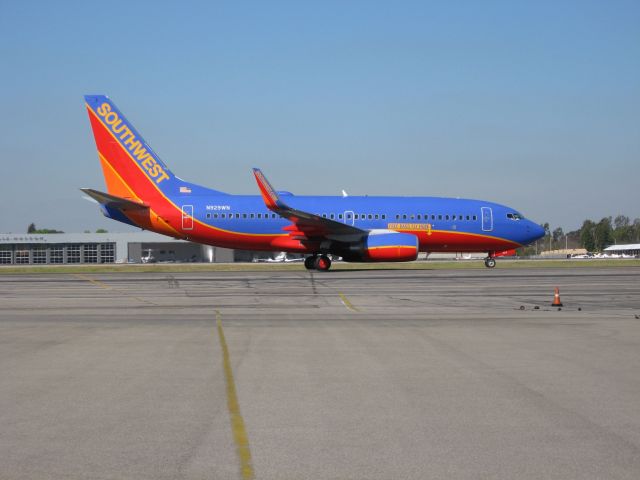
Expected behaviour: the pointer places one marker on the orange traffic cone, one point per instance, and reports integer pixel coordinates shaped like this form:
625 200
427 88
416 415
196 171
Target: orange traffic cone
556 298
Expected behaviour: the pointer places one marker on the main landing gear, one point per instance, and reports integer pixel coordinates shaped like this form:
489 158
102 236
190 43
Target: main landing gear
322 263
490 261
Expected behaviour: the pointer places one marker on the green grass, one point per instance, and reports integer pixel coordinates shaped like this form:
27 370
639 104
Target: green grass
258 267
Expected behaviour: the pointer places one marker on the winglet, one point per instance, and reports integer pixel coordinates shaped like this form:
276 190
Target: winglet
269 195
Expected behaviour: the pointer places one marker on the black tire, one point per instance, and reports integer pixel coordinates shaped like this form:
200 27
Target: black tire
322 263
310 263
490 262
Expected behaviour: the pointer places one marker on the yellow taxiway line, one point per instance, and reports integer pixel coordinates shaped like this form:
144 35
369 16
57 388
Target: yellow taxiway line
240 436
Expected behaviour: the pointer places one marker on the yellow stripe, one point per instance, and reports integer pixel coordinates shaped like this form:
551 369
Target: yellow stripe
179 234
103 158
481 235
463 233
206 225
95 282
237 423
98 283
346 302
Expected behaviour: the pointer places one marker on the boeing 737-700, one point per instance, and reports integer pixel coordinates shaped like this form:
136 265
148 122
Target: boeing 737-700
142 191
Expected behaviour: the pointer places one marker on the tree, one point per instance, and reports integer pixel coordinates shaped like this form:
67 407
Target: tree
620 221
547 235
603 234
587 235
32 229
635 236
557 235
101 230
623 232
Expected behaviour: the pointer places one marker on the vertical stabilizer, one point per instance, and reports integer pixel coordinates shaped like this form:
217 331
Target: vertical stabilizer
131 168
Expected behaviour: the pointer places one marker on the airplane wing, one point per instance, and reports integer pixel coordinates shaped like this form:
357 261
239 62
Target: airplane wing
114 202
305 225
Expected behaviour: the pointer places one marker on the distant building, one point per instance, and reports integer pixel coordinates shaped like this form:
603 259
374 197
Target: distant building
629 249
79 248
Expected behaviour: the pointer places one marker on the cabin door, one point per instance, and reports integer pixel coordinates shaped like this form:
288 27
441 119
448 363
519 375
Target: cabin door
487 219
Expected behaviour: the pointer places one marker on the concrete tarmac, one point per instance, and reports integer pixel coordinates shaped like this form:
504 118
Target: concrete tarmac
382 374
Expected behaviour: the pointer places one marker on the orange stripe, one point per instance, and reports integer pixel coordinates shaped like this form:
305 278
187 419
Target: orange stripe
178 209
207 226
454 232
151 211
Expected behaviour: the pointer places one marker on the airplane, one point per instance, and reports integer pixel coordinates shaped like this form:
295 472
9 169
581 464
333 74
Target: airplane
282 257
142 191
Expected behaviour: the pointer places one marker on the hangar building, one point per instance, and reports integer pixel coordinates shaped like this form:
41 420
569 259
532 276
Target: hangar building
629 249
74 248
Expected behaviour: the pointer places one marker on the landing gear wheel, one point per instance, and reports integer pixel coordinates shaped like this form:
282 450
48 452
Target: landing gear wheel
489 262
310 262
322 263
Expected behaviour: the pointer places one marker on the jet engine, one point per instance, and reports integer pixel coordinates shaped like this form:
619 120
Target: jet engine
384 247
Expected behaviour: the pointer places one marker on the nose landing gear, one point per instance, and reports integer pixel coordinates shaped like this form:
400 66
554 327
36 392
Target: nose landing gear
322 263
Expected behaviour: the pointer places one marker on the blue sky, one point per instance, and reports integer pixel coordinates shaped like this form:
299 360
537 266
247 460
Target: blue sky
531 104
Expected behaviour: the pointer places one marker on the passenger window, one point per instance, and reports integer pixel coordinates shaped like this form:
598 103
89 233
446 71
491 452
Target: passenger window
439 217
370 216
467 217
244 215
252 216
397 216
376 216
222 215
332 216
340 216
324 215
215 215
384 216
208 215
475 217
355 216
404 217
446 217
419 217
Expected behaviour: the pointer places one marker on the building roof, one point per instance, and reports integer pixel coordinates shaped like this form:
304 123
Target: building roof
142 236
619 248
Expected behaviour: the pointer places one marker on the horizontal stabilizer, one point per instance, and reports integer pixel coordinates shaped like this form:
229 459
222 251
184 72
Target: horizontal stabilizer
112 201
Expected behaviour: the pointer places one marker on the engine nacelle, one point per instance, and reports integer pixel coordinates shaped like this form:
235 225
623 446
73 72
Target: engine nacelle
390 247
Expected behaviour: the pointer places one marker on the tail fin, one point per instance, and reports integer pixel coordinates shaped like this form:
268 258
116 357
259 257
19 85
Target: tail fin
131 168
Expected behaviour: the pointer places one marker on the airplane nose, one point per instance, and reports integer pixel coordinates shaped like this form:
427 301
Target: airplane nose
534 231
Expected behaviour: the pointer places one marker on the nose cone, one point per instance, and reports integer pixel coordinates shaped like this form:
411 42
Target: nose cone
533 232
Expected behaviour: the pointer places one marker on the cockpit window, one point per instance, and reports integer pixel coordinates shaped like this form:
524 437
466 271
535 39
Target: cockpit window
515 216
